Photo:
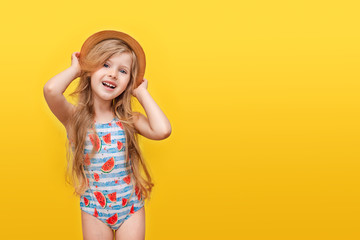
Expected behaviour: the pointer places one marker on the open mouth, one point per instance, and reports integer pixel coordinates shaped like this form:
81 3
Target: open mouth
106 84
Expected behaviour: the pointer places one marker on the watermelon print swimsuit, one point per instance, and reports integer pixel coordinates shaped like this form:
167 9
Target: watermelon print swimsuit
110 186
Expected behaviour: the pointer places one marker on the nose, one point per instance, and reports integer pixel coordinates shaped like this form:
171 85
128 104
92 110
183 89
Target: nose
112 73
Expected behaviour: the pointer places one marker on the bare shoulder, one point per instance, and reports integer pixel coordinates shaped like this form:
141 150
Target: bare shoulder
137 116
142 125
139 119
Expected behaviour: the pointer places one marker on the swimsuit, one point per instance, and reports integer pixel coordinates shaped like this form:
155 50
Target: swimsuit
110 185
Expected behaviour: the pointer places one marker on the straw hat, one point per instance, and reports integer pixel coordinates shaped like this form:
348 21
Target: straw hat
107 34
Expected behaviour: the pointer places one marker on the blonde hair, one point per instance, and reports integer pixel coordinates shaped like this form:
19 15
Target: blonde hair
83 119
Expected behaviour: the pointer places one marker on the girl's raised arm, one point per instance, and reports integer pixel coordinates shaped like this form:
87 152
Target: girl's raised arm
56 86
156 126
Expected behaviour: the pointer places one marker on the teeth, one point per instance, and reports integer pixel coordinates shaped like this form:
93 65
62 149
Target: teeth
108 84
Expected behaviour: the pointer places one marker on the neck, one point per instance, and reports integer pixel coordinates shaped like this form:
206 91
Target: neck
102 109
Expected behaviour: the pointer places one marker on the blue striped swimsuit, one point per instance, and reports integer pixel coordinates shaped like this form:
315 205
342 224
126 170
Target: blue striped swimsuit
110 185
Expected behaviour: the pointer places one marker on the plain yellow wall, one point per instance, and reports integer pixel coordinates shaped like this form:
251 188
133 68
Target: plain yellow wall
263 98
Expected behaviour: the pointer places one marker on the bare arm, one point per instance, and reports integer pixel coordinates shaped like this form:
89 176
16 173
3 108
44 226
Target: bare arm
156 126
56 86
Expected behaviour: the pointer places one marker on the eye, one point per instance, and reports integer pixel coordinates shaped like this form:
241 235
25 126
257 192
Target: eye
123 71
106 65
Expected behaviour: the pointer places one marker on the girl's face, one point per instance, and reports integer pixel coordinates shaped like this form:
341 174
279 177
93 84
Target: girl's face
111 79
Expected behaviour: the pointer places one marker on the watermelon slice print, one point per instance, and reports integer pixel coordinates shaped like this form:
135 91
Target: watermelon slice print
107 138
95 213
113 219
137 192
112 196
108 165
87 160
132 209
101 199
119 124
124 202
127 179
95 140
86 202
96 177
120 145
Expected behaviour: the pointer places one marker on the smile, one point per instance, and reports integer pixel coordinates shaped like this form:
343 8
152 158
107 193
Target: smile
108 85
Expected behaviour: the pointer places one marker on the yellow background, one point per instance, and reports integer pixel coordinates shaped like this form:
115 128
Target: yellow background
263 98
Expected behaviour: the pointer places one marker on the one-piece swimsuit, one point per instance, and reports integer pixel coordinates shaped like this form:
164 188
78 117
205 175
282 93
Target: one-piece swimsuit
108 176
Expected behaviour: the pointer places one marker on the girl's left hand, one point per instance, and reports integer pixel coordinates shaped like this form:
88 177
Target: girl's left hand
141 87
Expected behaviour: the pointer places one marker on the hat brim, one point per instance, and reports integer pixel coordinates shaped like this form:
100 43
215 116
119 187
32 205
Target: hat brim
108 34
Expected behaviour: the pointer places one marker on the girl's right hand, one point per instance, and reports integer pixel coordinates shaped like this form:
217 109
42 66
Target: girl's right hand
75 63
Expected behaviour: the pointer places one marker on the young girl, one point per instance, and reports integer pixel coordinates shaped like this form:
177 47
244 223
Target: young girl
105 164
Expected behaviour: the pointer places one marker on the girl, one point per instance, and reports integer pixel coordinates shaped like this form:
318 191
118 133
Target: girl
104 160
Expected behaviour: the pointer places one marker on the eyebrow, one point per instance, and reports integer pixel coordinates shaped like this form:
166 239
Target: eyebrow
120 65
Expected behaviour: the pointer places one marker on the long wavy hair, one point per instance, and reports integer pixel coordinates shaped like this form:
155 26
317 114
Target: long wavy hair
83 119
